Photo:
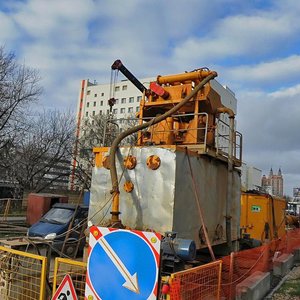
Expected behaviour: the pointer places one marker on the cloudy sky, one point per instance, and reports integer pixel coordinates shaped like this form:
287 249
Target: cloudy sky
253 45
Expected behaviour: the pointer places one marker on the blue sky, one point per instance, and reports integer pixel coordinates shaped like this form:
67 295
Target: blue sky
253 45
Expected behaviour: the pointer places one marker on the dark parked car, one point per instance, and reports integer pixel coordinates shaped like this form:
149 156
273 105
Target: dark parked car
55 226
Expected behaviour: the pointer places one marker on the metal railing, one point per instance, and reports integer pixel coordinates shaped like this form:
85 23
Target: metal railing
222 141
221 133
11 207
22 275
77 271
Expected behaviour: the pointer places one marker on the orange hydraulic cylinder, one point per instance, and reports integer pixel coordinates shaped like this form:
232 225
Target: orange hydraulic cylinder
184 77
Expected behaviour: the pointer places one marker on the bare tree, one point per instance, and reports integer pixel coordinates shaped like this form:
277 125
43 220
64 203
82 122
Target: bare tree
98 131
19 86
95 131
42 157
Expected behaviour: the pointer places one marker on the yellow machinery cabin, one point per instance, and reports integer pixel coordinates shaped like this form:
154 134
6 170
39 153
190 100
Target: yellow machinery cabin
262 216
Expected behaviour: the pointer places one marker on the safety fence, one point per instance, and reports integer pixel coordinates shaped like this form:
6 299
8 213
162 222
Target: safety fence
201 282
76 270
218 280
22 275
240 265
10 207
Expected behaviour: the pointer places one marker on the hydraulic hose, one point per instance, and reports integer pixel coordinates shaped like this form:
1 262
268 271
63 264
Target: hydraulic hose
112 157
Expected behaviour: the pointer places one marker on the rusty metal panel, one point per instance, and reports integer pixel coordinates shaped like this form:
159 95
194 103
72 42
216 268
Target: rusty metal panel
164 199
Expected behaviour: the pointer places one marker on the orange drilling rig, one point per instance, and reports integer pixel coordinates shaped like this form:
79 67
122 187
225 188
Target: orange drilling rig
180 179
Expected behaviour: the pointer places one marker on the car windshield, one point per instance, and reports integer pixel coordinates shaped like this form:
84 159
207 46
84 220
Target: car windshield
58 216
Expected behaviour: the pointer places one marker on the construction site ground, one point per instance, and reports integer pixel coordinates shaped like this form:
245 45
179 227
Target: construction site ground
288 287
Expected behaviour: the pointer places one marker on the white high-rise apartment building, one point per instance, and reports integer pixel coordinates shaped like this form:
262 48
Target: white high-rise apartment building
93 99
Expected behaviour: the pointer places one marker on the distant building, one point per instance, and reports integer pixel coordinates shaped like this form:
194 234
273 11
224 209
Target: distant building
296 194
251 178
273 184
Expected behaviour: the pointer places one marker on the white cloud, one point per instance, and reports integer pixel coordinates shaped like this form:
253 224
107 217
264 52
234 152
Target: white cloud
9 31
270 125
293 91
273 72
254 34
47 20
250 48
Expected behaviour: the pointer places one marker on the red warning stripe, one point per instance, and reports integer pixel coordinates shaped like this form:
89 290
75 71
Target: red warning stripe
112 229
155 289
66 280
88 282
156 254
95 232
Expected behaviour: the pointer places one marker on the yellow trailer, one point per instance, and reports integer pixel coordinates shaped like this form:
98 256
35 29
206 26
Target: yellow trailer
262 216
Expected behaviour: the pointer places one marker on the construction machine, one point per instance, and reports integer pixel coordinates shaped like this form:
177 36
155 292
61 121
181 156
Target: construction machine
171 201
181 178
263 218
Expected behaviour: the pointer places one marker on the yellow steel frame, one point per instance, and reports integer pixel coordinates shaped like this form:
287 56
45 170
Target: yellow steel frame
43 261
65 261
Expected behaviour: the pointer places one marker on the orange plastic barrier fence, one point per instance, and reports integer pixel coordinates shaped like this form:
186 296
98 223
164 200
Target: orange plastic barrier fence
220 278
239 265
202 282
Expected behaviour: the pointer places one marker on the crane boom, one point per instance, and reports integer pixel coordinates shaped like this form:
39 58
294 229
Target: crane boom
118 65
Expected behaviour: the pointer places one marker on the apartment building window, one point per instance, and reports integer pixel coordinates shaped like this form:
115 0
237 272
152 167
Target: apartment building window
115 111
130 109
131 99
86 114
101 103
88 92
124 87
117 101
95 95
100 112
94 103
102 94
137 108
88 104
107 112
93 112
117 88
139 98
123 100
122 110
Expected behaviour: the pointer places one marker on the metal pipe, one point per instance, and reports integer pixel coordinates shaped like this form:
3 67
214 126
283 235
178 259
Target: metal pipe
226 110
183 77
112 157
229 175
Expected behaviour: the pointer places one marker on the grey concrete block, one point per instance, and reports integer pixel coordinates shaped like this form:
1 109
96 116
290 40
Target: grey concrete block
283 264
254 287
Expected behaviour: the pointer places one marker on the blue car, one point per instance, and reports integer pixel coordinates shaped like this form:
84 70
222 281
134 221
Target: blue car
55 226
